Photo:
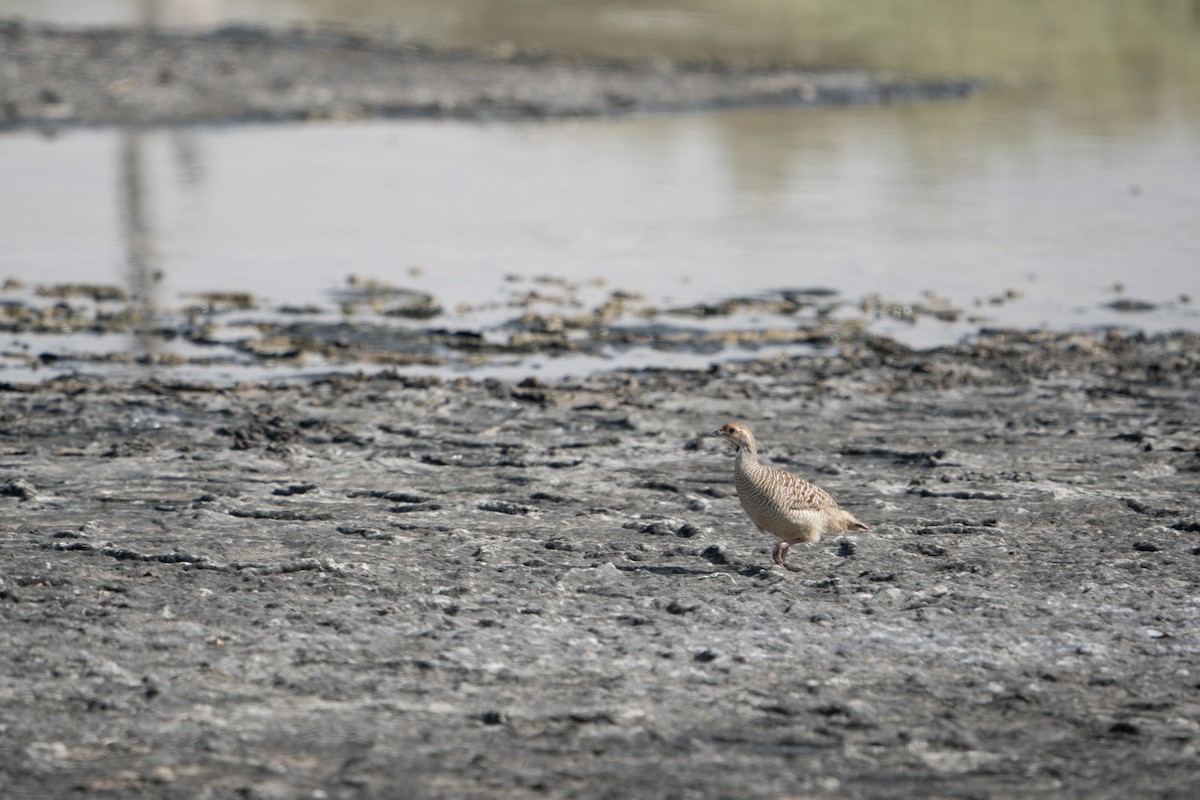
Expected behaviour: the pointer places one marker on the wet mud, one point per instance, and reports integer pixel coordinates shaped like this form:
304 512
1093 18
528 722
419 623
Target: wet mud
397 586
56 76
370 324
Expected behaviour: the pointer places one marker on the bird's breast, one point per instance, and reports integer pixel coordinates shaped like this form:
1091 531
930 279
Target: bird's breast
759 496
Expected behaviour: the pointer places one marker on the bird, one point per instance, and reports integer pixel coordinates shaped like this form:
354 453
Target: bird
779 502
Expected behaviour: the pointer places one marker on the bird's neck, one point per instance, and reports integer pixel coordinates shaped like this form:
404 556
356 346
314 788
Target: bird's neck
747 458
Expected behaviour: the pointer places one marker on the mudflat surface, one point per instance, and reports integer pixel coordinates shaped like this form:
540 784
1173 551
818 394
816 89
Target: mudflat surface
55 76
387 587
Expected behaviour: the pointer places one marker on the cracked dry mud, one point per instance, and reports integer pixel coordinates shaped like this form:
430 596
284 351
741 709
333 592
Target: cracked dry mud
391 587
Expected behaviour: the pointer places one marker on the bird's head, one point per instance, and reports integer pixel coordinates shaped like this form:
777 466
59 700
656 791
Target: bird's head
737 434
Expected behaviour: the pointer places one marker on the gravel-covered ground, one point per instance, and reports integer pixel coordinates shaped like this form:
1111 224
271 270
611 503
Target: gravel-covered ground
389 587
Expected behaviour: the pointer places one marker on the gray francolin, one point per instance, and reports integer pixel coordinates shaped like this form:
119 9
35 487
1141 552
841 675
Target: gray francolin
779 502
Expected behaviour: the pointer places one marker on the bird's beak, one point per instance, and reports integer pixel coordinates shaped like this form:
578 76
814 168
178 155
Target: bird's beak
717 432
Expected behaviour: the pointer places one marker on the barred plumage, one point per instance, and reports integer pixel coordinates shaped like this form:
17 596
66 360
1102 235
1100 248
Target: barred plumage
779 502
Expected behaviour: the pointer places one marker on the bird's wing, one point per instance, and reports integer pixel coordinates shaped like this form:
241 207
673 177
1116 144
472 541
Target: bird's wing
802 495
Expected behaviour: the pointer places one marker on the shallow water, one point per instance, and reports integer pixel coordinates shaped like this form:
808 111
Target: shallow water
679 208
1038 205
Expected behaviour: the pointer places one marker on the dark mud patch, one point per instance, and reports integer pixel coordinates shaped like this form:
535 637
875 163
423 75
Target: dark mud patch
59 76
470 589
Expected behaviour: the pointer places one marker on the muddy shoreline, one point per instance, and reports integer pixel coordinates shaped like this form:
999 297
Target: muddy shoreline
61 76
342 587
544 326
403 585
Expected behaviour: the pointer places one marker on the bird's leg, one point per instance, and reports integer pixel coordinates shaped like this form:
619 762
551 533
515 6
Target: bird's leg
781 550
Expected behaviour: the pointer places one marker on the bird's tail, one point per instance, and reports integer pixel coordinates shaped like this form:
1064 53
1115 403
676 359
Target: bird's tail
852 524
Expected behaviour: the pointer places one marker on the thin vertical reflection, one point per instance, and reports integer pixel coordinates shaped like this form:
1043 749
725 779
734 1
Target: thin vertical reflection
149 14
141 251
143 272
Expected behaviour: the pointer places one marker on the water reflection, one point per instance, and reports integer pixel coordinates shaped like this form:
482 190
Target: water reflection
141 251
137 205
683 209
141 248
1078 174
